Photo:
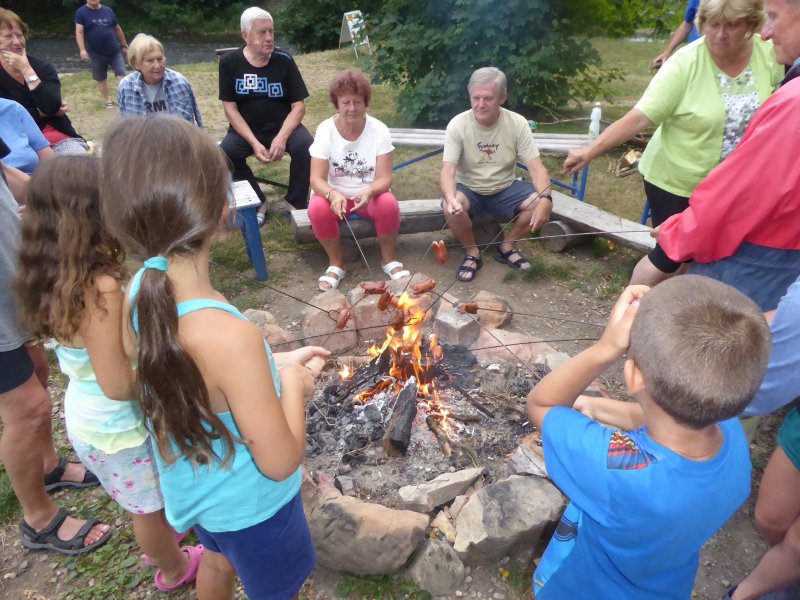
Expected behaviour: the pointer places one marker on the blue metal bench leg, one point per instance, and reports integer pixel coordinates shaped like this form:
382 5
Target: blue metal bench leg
252 241
584 180
645 212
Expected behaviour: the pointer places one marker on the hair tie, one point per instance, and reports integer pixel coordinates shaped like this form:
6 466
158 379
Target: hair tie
159 263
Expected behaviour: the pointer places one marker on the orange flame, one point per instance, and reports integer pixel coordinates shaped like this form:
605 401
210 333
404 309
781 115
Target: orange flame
405 343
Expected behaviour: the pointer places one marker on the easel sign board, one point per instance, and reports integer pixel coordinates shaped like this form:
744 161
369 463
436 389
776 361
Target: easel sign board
353 31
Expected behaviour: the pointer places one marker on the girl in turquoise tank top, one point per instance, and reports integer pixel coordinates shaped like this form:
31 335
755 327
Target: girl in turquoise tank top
71 289
227 417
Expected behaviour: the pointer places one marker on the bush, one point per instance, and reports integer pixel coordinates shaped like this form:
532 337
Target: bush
429 48
312 25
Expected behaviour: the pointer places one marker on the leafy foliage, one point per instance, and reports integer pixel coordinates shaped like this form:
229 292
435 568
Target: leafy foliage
315 24
379 586
429 48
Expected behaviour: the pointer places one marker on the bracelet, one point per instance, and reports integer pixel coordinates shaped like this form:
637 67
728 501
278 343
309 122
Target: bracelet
548 196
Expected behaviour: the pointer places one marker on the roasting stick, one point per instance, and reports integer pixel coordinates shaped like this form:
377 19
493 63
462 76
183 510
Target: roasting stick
360 251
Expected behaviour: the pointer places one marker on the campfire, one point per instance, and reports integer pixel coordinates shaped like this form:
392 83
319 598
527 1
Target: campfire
402 380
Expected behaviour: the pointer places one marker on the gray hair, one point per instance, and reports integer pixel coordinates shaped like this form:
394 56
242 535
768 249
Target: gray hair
486 75
254 13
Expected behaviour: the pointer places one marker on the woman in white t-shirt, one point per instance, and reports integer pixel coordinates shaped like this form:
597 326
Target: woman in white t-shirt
351 171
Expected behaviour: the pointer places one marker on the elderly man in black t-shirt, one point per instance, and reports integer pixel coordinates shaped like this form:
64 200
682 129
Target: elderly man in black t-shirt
263 95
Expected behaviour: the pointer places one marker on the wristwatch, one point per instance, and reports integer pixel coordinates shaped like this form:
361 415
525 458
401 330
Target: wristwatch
328 195
548 196
32 78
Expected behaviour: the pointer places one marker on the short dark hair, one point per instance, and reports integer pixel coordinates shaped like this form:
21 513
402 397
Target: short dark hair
352 81
702 348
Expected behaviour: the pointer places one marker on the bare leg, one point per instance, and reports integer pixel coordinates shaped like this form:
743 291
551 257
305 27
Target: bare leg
778 569
778 518
103 87
157 539
646 273
333 248
26 439
520 227
461 226
388 244
215 578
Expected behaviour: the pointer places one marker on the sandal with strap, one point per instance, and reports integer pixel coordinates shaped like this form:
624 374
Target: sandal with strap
389 267
333 282
518 264
47 538
53 481
195 555
261 218
466 273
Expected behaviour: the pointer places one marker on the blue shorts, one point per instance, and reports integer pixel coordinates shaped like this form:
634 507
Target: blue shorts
273 558
101 64
503 204
16 367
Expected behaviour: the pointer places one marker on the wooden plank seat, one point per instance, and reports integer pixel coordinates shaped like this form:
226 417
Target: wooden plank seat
417 216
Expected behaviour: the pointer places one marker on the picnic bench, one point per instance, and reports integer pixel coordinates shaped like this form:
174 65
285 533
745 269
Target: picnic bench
418 216
547 143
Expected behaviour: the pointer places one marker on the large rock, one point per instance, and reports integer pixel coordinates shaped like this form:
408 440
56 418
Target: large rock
362 538
528 458
443 523
494 310
319 323
456 328
441 490
260 317
372 323
436 568
489 350
501 518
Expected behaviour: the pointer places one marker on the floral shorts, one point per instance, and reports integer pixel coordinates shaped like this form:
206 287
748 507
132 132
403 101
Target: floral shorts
129 476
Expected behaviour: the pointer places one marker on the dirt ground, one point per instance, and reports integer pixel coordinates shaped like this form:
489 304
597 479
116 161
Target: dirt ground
580 285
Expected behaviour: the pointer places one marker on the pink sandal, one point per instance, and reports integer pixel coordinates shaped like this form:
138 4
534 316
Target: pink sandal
195 555
178 538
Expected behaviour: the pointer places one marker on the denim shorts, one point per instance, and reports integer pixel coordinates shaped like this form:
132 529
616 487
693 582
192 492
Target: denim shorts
273 558
503 204
100 65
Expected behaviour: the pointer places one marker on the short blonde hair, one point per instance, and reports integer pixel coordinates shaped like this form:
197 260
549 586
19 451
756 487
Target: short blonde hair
141 46
8 19
749 11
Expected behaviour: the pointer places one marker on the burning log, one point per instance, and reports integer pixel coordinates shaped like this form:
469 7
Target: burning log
398 429
441 436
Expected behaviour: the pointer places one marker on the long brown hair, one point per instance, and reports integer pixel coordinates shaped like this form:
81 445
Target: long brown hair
164 192
64 245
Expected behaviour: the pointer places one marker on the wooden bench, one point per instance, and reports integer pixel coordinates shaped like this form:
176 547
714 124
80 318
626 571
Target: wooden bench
551 143
247 203
418 216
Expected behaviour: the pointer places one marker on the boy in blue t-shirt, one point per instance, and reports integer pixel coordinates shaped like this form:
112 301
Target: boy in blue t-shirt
644 501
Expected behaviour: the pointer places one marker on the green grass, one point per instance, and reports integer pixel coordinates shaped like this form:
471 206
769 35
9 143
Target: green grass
9 506
386 587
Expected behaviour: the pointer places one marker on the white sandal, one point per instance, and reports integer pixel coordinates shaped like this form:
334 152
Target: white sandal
389 267
334 283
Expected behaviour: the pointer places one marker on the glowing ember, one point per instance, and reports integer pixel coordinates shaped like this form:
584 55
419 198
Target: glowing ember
412 355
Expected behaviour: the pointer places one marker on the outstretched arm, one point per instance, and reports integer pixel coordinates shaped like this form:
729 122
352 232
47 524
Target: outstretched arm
563 386
680 34
615 134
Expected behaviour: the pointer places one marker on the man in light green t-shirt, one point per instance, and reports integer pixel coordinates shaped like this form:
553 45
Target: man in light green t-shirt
481 149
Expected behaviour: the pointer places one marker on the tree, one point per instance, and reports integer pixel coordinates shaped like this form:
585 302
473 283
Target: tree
429 48
314 25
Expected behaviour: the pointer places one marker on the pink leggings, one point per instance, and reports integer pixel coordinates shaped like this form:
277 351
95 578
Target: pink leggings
382 209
